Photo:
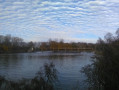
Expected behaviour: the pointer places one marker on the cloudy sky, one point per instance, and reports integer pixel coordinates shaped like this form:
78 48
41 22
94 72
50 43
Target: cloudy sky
71 20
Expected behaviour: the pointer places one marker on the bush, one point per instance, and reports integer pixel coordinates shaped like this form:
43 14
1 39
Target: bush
103 73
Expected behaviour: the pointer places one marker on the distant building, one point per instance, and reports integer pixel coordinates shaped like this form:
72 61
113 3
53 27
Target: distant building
31 49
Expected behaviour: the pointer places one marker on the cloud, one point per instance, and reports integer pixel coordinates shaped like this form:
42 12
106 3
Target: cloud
56 3
96 3
65 19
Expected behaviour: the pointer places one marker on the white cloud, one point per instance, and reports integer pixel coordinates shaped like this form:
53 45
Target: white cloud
56 3
47 19
113 1
97 2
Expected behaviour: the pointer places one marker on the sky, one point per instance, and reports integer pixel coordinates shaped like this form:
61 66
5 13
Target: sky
71 20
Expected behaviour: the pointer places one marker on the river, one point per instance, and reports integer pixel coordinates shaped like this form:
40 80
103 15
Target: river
68 65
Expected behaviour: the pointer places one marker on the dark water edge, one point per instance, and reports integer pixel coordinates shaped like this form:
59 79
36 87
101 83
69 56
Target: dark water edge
25 65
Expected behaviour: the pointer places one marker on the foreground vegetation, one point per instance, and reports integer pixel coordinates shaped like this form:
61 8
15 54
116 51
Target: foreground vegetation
44 80
103 73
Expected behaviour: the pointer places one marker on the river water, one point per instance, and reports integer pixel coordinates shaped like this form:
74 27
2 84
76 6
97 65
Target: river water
68 65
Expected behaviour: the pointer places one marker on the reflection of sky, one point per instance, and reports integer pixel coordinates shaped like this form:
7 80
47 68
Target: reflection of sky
78 20
26 65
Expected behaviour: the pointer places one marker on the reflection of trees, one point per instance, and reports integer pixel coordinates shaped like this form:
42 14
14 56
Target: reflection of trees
61 56
44 80
10 59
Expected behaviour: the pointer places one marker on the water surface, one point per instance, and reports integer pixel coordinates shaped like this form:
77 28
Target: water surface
26 65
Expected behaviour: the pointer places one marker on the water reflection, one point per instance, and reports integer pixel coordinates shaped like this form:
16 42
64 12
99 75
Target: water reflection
25 65
44 80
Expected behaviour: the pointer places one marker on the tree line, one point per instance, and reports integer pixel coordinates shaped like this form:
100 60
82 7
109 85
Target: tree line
55 45
10 44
